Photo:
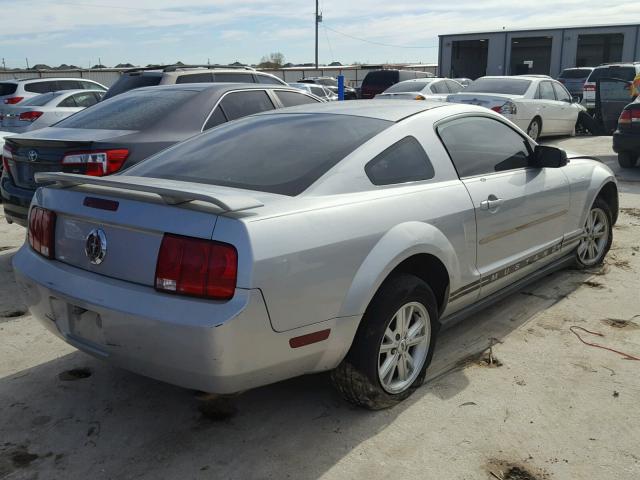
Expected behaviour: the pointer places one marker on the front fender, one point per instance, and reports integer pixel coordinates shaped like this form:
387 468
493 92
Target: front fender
398 244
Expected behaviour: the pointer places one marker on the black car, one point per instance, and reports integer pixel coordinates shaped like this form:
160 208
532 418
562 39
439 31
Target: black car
332 84
117 133
626 138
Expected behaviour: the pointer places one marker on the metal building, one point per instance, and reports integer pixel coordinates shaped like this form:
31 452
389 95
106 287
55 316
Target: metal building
539 51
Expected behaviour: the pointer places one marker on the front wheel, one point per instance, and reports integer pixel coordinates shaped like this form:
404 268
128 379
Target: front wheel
598 235
534 129
393 346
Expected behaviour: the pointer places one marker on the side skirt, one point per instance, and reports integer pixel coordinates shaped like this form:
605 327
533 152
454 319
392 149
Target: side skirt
460 315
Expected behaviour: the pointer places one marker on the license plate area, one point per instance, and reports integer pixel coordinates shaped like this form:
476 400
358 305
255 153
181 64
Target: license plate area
78 322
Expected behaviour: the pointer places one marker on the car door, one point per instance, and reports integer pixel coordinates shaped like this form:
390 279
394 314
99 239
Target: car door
520 211
568 111
549 108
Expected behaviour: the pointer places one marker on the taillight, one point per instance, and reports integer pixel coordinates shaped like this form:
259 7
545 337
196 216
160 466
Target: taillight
627 117
420 97
196 267
508 108
29 116
7 156
589 87
98 163
13 100
42 228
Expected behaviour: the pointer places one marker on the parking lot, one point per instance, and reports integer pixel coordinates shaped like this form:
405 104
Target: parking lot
513 394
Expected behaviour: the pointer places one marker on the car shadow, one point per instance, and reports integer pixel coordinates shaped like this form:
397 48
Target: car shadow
75 417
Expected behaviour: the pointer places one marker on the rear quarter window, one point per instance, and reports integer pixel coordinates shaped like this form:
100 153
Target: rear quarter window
404 161
291 99
134 111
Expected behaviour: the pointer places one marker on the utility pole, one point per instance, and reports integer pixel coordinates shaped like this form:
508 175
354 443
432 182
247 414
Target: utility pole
4 65
27 60
318 20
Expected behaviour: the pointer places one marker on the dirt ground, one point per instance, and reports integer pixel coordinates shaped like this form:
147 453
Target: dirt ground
543 405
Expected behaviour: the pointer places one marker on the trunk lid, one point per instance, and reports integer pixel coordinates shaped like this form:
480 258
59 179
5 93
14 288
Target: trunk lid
133 213
43 150
488 100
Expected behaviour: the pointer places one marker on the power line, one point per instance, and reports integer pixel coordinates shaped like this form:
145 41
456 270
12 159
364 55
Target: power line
373 42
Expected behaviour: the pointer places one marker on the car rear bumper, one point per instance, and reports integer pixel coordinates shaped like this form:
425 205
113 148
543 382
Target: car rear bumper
626 142
15 201
219 347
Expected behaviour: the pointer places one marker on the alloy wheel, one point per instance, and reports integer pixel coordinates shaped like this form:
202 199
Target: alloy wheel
596 237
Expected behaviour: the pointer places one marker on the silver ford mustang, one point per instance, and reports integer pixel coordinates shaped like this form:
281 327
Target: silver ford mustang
336 236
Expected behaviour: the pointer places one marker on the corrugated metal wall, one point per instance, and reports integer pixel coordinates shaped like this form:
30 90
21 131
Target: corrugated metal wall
353 74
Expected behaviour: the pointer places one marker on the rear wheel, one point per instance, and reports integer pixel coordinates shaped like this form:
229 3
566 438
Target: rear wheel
534 128
627 159
393 346
597 235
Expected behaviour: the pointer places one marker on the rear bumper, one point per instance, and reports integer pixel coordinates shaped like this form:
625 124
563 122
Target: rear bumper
15 201
626 142
219 347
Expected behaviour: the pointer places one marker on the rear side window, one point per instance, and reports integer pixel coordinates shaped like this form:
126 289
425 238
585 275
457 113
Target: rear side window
267 80
404 161
577 73
8 88
545 91
439 87
69 85
134 111
195 78
240 104
481 145
217 118
128 82
454 87
234 77
291 99
41 87
317 90
249 153
85 99
90 86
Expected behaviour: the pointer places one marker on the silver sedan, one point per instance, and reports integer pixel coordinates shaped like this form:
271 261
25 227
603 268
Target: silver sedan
335 236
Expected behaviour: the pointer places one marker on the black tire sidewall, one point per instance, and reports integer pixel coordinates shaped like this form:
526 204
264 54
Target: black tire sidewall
395 292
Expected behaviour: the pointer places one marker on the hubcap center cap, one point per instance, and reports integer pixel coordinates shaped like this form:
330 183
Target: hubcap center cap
403 346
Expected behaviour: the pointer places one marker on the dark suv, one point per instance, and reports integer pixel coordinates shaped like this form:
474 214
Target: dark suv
117 133
176 74
377 81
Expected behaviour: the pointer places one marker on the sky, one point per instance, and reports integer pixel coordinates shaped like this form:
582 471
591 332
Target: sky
223 31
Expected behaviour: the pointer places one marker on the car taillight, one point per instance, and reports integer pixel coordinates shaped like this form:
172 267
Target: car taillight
589 87
7 156
42 228
508 108
98 163
420 97
13 100
196 267
29 116
627 117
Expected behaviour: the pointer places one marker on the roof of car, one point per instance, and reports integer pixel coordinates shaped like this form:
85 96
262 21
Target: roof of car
223 86
379 109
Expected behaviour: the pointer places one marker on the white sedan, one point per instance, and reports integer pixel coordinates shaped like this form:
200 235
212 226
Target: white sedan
422 89
537 104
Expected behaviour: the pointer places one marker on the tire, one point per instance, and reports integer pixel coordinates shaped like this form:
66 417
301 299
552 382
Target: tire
358 378
627 159
534 129
587 124
601 245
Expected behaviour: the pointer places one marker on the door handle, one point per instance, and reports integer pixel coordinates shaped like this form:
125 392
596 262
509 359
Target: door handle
491 203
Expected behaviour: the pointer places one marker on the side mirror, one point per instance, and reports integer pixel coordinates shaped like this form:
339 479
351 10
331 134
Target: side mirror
548 157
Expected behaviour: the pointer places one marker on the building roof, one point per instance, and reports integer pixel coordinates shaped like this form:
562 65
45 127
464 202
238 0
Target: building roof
542 29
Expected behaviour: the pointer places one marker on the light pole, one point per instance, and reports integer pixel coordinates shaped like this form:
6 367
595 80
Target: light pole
318 20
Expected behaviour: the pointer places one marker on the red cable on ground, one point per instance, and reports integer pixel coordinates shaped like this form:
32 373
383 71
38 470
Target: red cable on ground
626 356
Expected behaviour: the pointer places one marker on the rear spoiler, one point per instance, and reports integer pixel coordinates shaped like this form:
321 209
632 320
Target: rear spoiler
172 192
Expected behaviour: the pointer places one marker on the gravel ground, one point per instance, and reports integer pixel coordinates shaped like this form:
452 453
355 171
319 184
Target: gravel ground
546 407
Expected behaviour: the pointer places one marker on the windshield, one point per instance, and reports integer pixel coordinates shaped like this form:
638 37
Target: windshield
407 87
507 86
41 100
575 73
276 153
134 111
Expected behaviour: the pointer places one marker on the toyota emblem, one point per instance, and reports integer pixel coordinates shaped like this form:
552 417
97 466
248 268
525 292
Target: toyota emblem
32 155
96 246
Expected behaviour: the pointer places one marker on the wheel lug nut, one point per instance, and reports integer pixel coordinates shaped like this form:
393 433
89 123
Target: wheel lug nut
393 352
397 336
